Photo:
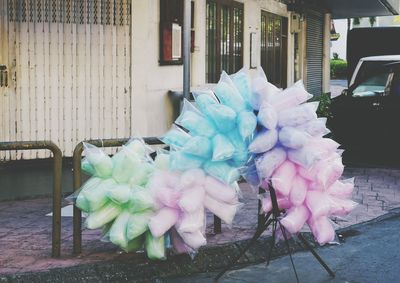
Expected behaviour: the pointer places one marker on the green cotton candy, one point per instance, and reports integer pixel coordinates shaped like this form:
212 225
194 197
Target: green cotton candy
222 171
125 162
135 244
155 247
138 224
223 149
181 161
81 200
137 146
100 161
247 123
176 137
97 196
141 175
141 199
196 124
117 232
120 194
198 146
222 116
87 168
102 216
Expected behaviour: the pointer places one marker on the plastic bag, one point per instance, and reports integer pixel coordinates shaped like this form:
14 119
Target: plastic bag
318 203
191 222
242 82
290 97
141 175
194 240
98 196
264 141
175 137
120 194
222 116
295 219
223 210
299 191
247 123
342 189
161 161
293 138
322 230
125 162
192 178
141 199
163 220
198 146
138 223
192 120
155 247
220 191
267 116
102 216
268 162
282 179
204 99
298 115
101 162
315 128
81 200
262 90
223 149
192 199
118 230
181 161
222 171
87 168
228 94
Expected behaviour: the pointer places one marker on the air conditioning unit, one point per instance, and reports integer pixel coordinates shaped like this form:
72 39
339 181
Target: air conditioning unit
295 23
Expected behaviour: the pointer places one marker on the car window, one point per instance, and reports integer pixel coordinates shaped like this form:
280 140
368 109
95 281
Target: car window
396 84
373 86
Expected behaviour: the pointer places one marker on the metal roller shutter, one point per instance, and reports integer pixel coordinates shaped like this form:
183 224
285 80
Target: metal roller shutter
315 25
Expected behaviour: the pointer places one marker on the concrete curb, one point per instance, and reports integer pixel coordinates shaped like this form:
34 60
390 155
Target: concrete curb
207 260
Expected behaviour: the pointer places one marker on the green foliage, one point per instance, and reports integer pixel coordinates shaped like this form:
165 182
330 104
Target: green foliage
324 104
356 21
338 68
335 56
372 21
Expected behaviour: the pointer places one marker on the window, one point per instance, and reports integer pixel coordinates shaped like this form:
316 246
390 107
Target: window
224 42
171 31
274 48
373 86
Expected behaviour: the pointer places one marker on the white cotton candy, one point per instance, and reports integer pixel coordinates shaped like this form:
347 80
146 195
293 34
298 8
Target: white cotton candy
299 190
191 222
318 203
262 92
298 115
293 138
295 218
264 141
267 116
223 210
305 156
315 128
192 199
194 240
290 97
283 177
268 162
161 222
220 191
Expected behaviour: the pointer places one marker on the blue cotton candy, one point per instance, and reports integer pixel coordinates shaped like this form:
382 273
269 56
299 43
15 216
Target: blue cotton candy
250 175
241 80
204 100
228 94
223 149
222 171
199 146
223 117
241 156
247 123
176 137
181 161
196 124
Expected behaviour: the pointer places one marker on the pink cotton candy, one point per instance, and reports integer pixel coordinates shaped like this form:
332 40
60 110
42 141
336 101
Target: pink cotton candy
283 177
324 144
342 189
194 240
192 199
164 179
266 204
318 203
341 207
220 191
295 218
177 242
264 141
299 190
269 162
307 173
292 96
163 221
330 172
267 116
322 230
167 197
223 210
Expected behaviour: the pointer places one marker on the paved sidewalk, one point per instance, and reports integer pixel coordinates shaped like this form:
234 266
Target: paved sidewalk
25 233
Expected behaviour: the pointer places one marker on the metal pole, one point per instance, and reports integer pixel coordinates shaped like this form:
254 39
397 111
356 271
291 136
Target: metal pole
186 47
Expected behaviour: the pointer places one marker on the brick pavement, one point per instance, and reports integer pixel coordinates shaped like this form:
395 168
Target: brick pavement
25 233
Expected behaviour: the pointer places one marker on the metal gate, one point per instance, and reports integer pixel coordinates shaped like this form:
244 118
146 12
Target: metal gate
67 64
315 28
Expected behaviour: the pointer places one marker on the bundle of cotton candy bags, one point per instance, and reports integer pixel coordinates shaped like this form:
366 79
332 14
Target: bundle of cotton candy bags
292 154
180 201
116 197
214 133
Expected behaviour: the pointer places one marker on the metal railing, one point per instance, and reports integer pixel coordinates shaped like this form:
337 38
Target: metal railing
77 182
57 171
